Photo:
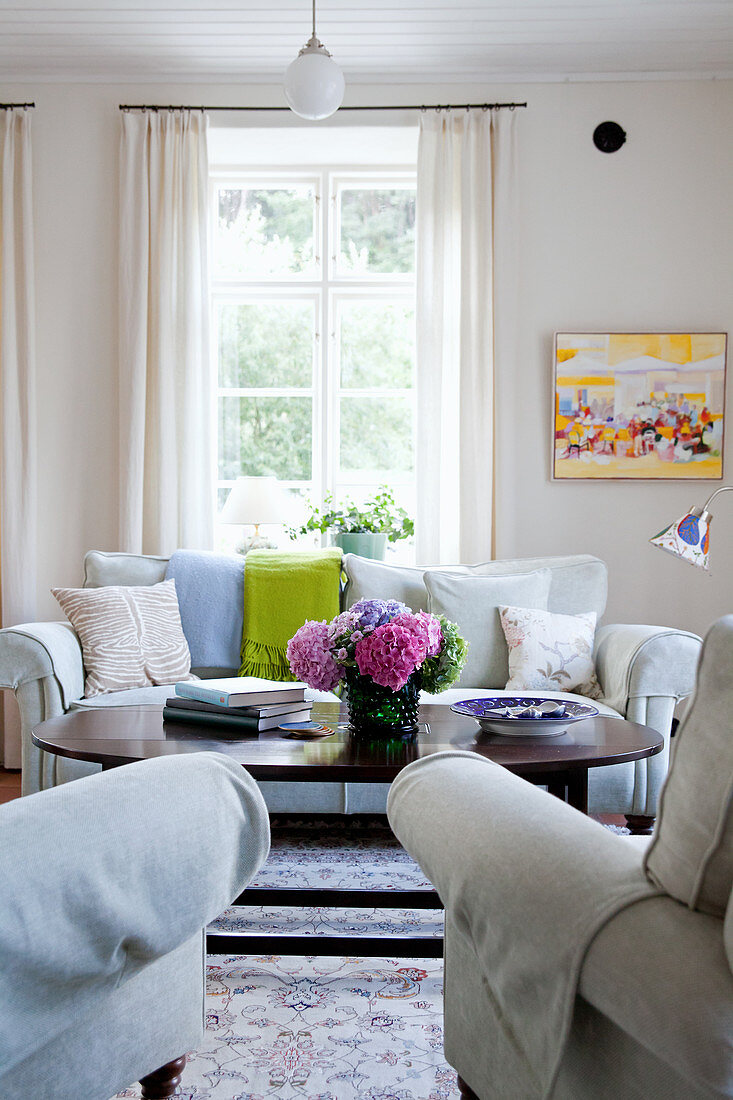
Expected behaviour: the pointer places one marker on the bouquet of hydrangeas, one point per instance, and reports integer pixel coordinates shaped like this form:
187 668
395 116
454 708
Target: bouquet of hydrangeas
383 640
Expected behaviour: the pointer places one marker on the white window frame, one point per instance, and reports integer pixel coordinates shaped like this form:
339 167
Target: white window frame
327 288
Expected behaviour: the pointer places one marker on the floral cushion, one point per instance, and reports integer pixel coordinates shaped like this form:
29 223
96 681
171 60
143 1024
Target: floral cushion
550 651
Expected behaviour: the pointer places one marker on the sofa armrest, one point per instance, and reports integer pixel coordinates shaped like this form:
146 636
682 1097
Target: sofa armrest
634 662
42 664
527 882
34 651
131 864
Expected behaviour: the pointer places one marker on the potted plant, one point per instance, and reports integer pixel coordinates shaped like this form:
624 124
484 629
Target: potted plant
364 529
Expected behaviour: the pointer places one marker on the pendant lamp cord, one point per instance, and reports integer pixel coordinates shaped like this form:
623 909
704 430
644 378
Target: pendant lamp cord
314 18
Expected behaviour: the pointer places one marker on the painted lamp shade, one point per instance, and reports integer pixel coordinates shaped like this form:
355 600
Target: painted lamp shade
688 538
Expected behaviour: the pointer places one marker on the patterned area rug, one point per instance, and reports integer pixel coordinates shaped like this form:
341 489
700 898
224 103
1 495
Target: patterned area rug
319 1028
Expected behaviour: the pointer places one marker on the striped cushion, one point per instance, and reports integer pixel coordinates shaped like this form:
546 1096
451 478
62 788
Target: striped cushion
131 636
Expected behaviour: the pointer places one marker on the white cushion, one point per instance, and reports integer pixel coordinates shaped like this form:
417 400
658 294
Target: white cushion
102 568
547 650
579 582
472 602
156 697
134 697
367 579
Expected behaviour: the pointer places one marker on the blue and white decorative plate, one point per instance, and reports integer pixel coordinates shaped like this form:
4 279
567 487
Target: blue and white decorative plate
522 716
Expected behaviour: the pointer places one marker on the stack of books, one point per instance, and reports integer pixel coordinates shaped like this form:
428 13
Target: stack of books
239 704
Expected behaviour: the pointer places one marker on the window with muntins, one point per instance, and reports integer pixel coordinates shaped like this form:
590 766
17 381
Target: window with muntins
313 330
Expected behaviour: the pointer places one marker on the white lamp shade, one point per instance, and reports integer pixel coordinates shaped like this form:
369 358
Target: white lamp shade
256 500
314 84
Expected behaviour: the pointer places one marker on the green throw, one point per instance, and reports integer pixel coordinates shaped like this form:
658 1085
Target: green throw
281 591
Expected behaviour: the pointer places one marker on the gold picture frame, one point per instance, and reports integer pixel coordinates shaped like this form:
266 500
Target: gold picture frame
639 406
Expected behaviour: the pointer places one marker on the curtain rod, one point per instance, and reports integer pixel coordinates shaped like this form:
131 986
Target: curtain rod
9 106
398 107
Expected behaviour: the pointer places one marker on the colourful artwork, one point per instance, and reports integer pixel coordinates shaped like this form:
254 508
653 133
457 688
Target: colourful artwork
639 405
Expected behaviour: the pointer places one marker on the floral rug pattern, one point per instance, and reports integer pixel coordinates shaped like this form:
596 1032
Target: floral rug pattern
357 854
319 1028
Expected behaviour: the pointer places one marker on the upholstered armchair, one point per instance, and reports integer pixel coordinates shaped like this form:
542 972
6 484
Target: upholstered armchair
107 885
579 963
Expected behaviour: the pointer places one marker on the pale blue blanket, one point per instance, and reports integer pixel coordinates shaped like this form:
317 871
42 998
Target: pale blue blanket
210 591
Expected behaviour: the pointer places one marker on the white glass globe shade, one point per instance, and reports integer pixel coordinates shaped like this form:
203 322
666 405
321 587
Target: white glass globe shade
314 85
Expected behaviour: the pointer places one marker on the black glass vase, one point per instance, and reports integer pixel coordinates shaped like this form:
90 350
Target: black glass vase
379 712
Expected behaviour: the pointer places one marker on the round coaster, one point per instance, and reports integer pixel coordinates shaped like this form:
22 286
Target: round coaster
305 730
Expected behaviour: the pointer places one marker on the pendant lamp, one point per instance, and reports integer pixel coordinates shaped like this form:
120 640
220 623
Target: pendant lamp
314 84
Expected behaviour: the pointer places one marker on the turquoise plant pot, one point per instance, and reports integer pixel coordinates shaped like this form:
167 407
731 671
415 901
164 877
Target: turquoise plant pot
363 543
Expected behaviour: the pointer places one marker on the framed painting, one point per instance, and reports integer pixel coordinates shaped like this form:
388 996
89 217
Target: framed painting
637 405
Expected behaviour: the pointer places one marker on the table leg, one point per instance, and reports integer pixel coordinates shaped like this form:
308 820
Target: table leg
578 789
557 785
640 824
571 787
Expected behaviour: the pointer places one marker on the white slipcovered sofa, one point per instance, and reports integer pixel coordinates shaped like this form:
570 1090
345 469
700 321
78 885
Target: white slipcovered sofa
643 670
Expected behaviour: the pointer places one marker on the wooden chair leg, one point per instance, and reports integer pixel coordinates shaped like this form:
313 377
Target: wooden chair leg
639 824
465 1090
163 1082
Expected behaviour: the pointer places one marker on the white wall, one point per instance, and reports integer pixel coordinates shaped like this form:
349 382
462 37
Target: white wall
639 240
642 239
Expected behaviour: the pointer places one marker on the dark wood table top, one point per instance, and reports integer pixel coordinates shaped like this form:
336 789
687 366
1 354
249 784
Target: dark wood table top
120 735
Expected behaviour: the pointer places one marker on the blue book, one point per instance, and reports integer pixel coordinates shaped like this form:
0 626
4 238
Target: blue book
242 691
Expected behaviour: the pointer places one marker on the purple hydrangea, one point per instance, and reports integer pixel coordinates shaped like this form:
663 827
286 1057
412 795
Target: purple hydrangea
373 613
348 628
310 657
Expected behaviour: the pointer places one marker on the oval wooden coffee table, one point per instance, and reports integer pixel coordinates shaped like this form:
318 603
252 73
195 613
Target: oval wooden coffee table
113 736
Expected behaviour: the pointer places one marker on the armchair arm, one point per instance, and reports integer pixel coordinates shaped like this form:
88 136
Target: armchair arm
527 881
131 864
42 664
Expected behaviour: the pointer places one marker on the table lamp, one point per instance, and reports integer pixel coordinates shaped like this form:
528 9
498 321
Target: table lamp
252 501
689 537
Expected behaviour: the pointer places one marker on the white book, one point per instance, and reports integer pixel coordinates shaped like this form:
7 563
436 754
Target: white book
242 691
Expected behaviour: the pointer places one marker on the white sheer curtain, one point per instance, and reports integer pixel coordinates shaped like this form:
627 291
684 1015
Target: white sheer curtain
18 501
166 459
465 222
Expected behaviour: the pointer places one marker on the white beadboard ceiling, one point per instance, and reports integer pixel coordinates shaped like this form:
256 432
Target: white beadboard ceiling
382 41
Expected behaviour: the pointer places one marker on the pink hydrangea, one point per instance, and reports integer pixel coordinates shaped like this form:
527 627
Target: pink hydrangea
390 654
310 656
426 628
